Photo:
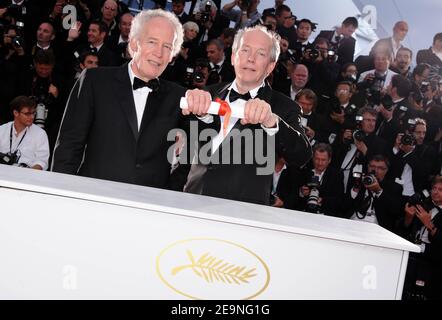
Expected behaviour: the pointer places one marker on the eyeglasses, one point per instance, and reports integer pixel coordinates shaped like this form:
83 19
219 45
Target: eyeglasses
29 114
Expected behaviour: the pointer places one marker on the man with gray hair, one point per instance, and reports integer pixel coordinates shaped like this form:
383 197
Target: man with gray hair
268 116
117 119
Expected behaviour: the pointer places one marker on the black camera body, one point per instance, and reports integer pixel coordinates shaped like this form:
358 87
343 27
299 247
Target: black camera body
408 138
9 158
419 198
205 15
369 179
18 42
313 54
358 134
313 199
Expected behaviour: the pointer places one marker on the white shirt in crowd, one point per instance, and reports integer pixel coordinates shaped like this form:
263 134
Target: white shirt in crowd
33 149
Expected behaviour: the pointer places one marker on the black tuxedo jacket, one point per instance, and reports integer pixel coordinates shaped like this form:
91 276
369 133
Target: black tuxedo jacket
240 181
427 56
346 49
100 122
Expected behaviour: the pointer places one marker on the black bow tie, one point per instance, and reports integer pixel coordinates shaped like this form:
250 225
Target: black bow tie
153 84
235 96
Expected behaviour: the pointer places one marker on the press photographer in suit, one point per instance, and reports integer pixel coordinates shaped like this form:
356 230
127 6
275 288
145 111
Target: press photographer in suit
255 53
117 119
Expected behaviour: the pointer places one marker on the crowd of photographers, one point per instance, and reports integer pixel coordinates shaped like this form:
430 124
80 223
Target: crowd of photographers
375 123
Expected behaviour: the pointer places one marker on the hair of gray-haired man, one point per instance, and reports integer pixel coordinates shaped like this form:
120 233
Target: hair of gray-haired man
146 15
275 51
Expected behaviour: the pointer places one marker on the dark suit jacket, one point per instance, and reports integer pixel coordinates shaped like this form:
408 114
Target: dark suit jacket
427 56
346 49
240 181
101 116
387 206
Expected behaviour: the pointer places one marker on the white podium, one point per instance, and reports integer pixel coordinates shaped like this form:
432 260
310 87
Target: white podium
68 237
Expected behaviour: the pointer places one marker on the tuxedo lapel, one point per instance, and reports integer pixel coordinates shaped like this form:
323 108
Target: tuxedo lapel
123 90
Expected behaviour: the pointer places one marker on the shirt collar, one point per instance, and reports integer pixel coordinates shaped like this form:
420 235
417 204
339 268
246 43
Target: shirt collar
98 48
43 48
121 40
321 175
253 92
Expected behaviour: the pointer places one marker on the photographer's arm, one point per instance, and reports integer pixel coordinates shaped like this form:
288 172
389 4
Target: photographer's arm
229 6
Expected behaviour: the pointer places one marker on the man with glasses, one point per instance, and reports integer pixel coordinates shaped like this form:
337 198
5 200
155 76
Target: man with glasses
22 142
373 198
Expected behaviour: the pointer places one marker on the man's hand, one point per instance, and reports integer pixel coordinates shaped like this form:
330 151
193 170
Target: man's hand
278 203
258 111
338 117
361 146
369 77
305 191
74 31
309 132
374 187
388 115
3 11
424 216
198 102
347 135
53 90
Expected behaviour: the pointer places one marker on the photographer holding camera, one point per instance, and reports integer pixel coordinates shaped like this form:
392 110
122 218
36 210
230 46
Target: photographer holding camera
246 16
395 109
211 24
317 188
12 61
322 67
358 144
339 112
421 225
22 143
372 197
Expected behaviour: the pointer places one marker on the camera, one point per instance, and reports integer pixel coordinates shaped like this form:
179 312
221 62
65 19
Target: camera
205 15
358 134
313 54
9 158
357 180
17 41
332 56
41 113
313 199
419 198
369 179
15 10
408 138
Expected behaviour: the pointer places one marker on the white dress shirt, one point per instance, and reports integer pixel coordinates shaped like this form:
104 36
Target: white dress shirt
216 142
33 148
140 97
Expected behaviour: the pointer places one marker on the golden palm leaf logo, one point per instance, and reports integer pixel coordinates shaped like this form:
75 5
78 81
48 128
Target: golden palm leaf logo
212 270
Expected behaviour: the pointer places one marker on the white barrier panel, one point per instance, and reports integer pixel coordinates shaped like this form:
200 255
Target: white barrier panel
67 237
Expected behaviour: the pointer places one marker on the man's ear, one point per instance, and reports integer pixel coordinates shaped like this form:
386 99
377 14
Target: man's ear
270 68
133 45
